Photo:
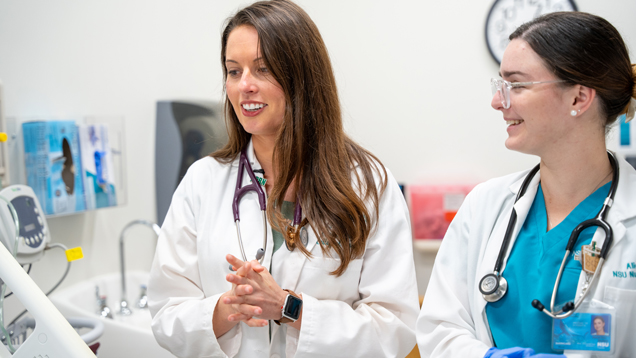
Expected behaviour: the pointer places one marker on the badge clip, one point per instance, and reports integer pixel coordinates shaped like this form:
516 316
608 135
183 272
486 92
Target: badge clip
590 257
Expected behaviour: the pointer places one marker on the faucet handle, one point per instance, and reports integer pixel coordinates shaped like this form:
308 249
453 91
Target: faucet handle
143 297
102 309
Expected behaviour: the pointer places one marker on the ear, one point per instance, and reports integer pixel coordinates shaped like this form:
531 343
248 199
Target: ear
583 97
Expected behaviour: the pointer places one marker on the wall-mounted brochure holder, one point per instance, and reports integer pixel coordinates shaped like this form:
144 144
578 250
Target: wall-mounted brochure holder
72 165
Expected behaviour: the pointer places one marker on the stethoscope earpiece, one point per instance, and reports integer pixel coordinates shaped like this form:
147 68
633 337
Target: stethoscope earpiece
538 305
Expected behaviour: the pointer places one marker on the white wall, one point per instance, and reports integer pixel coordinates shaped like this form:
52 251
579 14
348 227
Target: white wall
413 78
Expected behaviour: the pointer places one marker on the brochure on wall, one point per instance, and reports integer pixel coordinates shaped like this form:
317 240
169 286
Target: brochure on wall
97 162
53 165
70 167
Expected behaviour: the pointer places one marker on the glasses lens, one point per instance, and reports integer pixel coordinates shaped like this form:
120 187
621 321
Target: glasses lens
503 88
494 86
498 87
505 94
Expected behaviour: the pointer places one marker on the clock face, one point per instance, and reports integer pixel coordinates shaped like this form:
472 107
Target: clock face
506 15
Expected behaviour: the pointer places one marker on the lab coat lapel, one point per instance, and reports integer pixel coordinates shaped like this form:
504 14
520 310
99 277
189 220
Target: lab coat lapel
294 262
493 245
251 216
623 207
522 207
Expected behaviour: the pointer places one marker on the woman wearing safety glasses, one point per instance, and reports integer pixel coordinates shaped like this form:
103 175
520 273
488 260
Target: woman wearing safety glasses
531 258
327 223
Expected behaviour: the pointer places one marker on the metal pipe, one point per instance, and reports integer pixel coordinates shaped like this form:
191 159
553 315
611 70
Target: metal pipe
123 305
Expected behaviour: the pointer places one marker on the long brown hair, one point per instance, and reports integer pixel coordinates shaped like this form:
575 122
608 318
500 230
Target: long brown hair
312 151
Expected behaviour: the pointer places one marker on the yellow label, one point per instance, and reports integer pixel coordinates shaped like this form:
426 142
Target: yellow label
3 137
74 254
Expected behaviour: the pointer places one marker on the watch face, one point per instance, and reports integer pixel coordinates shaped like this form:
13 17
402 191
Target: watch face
506 15
292 308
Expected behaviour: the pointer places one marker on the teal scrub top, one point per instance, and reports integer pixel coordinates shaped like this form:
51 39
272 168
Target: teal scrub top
531 272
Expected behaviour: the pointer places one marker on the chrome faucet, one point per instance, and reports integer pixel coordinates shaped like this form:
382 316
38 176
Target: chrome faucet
102 310
123 305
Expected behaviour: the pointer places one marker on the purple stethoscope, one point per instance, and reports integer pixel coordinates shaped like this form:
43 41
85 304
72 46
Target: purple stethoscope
297 228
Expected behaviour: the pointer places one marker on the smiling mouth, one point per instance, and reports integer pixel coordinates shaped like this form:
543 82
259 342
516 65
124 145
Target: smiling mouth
513 122
253 107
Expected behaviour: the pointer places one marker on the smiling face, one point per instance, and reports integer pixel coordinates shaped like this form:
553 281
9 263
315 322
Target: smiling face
599 326
258 100
537 118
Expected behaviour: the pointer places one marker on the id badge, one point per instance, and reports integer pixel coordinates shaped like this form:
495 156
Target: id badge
591 328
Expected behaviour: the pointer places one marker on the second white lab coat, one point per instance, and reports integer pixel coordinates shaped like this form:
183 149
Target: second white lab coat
369 311
453 320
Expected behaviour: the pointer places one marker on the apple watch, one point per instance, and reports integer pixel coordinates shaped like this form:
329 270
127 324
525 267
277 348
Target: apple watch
291 308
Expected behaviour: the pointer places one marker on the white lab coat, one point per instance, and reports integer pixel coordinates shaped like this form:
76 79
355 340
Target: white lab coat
453 320
369 311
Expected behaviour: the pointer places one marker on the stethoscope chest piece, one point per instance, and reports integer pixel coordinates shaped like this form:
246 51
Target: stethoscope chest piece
493 287
304 236
296 235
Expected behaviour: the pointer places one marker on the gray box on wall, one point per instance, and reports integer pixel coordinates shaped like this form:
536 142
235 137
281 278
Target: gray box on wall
185 132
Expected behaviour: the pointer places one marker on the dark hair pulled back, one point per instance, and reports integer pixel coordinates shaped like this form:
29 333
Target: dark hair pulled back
584 49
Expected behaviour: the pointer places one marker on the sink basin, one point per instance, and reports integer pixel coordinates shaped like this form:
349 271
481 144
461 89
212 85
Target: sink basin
124 336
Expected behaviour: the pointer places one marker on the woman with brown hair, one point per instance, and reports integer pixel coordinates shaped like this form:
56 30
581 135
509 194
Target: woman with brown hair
532 256
334 273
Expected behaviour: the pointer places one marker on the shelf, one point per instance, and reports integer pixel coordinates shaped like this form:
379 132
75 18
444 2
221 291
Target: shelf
427 245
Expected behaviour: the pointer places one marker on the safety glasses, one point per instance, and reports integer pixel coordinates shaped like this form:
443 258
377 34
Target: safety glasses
503 87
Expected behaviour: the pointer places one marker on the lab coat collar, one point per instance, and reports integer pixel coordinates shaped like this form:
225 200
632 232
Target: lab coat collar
493 245
522 207
290 281
622 208
251 157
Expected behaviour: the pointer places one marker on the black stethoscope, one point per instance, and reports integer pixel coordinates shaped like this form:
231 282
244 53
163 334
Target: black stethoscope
494 286
296 230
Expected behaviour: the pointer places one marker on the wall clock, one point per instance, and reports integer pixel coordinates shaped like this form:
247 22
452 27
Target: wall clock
506 15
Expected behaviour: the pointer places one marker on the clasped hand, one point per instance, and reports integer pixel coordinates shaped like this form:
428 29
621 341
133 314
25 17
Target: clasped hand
255 296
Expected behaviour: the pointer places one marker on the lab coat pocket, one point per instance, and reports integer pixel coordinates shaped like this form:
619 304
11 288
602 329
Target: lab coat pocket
317 280
625 303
